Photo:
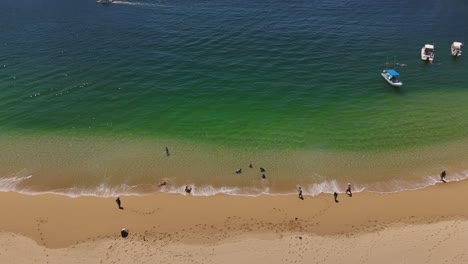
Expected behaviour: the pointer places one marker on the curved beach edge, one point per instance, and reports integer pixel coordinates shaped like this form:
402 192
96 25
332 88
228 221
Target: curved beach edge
430 224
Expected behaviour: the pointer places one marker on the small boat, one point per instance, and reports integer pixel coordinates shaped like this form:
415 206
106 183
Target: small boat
456 49
427 53
391 76
104 2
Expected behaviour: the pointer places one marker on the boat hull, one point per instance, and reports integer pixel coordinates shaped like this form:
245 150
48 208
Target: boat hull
456 53
456 49
394 84
425 57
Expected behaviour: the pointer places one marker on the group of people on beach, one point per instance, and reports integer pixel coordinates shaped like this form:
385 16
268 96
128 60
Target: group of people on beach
188 189
335 194
443 174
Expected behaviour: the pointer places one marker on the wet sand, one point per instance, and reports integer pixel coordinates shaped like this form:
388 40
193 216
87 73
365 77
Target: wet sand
429 225
106 166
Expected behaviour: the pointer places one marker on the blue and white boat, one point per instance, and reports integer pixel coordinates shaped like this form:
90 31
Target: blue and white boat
391 76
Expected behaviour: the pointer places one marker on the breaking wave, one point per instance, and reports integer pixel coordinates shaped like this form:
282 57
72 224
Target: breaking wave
10 183
18 183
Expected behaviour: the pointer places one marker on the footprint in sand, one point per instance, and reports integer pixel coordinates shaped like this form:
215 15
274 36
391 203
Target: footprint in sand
143 212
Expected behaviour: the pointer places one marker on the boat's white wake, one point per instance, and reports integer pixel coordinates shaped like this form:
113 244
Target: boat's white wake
152 4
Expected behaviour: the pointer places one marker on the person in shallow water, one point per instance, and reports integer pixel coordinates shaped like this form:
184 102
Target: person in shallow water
163 183
188 189
239 171
299 190
442 177
348 190
167 152
262 170
263 176
335 195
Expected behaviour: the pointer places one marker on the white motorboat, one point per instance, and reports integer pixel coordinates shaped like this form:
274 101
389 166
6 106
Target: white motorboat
391 76
427 53
456 49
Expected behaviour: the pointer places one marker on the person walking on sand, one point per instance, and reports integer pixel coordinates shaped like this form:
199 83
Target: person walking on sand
118 203
442 177
335 194
348 190
299 190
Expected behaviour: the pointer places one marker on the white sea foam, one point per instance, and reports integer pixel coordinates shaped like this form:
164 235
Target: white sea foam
13 183
10 183
102 190
210 190
137 3
330 187
424 182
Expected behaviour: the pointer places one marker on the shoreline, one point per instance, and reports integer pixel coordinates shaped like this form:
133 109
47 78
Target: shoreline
109 167
430 224
9 184
66 221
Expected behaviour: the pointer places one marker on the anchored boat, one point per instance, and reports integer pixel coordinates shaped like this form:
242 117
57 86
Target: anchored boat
391 76
456 49
427 53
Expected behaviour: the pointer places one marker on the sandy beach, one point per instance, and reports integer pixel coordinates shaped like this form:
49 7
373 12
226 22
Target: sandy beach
422 226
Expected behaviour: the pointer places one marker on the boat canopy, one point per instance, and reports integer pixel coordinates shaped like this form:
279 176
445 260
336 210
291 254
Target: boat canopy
457 45
429 46
393 73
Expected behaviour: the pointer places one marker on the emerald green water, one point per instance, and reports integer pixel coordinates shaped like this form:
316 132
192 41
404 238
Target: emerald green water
246 80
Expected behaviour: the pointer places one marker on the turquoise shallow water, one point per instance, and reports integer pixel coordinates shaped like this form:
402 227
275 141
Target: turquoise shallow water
236 76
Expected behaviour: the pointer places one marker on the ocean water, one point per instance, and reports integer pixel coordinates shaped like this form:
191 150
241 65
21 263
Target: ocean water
91 94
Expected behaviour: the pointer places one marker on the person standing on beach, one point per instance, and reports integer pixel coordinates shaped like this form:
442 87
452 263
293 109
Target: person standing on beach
118 203
335 194
348 190
442 177
299 190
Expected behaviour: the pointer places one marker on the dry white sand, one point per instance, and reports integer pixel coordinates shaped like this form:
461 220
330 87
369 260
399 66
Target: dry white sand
443 242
